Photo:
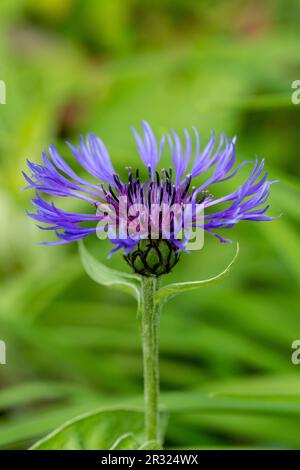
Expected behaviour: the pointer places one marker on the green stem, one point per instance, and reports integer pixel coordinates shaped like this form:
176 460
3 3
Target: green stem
150 321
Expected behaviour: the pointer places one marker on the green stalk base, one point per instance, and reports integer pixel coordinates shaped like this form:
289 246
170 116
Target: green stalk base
150 322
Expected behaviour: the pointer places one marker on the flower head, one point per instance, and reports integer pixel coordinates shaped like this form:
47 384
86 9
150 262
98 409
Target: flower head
153 219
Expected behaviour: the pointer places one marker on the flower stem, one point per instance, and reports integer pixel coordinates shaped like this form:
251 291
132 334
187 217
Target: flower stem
150 321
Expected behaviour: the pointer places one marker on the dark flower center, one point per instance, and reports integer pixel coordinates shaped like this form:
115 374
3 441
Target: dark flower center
158 210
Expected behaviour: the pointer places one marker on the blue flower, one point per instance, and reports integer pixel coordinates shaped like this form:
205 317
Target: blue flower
173 186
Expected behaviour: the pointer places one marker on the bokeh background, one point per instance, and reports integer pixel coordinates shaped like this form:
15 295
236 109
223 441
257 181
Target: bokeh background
76 65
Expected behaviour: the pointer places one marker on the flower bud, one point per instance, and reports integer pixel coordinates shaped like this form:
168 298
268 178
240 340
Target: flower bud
153 257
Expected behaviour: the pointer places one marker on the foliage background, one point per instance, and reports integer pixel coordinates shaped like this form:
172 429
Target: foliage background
74 65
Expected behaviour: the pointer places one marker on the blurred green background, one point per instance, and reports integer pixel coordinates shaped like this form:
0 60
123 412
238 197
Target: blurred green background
76 65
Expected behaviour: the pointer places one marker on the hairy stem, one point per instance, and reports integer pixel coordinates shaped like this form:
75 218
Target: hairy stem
150 322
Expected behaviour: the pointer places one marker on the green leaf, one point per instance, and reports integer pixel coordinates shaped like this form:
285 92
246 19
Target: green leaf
167 292
109 277
150 445
99 430
125 442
